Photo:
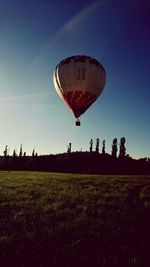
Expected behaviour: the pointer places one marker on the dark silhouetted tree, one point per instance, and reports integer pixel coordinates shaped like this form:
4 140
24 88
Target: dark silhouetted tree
69 148
20 153
103 147
91 145
122 150
114 148
97 145
14 153
33 153
24 154
5 165
6 151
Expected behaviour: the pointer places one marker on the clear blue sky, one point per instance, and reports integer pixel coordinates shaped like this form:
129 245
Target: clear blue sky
36 35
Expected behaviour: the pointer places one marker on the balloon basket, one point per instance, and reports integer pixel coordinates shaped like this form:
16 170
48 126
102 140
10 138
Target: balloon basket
78 122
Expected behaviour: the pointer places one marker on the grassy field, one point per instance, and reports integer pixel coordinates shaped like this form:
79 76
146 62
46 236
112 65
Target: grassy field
51 219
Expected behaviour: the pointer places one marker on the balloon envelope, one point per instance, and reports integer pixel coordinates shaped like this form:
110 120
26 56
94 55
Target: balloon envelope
79 80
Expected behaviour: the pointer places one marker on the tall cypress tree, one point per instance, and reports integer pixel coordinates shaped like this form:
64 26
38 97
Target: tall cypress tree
6 151
20 153
14 153
114 148
33 153
103 147
91 145
97 145
122 151
69 148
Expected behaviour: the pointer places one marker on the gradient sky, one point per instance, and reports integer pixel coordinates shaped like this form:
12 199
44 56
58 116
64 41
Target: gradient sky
36 35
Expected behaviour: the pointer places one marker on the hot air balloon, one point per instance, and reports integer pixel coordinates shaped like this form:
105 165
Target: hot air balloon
79 80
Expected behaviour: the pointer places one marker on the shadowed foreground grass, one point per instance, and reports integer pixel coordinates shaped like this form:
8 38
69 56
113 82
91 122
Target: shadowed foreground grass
50 219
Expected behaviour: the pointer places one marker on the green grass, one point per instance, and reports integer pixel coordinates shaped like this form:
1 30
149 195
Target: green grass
51 219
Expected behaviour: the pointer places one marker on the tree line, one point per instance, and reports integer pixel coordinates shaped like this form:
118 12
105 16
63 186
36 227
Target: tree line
95 160
122 148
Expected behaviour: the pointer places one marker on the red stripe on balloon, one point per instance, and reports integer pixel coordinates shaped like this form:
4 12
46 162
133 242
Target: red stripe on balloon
78 101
